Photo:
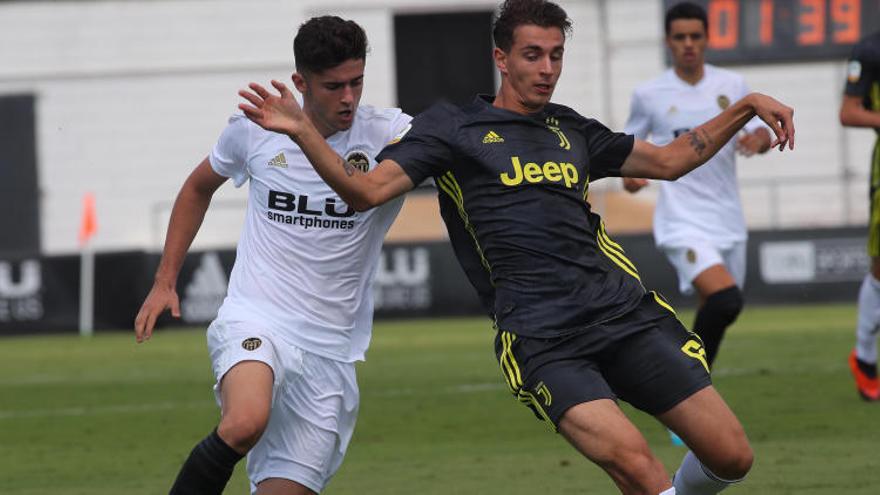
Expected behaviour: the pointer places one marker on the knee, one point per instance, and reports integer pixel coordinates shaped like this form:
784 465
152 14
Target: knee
733 465
241 432
727 303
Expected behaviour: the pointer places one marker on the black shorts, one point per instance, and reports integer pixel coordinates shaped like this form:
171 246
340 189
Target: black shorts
646 357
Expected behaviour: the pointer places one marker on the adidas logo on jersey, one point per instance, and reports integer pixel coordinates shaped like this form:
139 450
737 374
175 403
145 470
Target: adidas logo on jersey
279 161
492 137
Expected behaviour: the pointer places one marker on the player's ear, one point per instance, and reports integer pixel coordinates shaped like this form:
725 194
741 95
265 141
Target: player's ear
299 82
500 57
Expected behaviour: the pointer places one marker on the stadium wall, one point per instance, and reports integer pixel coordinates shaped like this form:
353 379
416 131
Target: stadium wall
130 95
41 294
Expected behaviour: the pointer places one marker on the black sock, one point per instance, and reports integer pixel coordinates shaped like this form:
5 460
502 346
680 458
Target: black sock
717 313
207 469
869 369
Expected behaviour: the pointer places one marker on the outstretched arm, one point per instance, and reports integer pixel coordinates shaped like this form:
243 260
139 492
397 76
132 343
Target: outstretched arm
281 113
186 218
694 148
853 114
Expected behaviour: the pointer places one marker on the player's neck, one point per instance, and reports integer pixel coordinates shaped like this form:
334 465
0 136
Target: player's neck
325 130
691 75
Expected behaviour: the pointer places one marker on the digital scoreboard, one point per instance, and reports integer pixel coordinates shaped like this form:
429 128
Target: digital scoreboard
757 31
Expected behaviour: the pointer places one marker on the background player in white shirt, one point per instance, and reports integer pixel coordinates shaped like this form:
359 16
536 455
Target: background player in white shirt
698 221
298 312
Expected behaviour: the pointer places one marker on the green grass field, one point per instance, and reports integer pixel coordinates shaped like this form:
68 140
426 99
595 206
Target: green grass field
106 416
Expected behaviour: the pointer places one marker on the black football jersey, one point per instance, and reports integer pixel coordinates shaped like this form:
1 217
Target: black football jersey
513 194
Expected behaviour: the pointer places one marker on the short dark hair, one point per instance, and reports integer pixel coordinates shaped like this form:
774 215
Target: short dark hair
327 41
515 13
686 10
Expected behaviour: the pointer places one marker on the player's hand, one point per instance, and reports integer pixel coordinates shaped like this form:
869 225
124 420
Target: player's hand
778 116
753 143
158 300
632 184
279 113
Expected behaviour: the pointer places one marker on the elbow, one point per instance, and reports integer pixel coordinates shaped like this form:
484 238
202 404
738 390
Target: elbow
846 118
671 173
361 206
667 168
362 202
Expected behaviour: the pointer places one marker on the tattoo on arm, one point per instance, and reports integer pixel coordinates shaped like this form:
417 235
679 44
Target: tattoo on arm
349 168
699 143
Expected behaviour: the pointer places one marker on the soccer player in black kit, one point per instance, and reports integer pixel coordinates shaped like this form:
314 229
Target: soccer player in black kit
861 108
576 328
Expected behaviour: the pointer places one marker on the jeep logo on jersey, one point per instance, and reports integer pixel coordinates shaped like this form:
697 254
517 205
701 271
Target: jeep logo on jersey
679 132
283 201
251 344
533 173
358 160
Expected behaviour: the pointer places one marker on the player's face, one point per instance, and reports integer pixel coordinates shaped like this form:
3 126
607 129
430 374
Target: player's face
687 43
331 97
532 67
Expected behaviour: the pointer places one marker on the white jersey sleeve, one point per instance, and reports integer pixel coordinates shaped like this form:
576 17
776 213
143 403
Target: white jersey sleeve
639 122
230 153
399 122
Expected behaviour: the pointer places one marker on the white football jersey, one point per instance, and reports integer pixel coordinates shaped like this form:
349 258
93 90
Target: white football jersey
705 203
305 261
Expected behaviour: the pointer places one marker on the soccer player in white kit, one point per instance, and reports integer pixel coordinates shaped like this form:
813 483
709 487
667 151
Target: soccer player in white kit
698 220
299 307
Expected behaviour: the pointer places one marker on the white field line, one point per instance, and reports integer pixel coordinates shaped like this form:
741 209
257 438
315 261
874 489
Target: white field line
830 368
96 410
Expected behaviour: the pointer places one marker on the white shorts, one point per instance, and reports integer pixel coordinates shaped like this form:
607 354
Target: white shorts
693 259
314 405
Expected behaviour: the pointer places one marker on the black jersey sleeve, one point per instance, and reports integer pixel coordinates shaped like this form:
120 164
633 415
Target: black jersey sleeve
607 149
859 68
424 150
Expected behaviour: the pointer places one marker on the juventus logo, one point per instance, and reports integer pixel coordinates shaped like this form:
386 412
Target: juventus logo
543 392
553 125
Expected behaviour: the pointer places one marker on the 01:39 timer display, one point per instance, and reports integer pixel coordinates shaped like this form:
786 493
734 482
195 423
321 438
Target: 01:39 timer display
757 31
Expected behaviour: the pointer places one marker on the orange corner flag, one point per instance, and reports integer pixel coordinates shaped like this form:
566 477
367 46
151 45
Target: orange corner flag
89 223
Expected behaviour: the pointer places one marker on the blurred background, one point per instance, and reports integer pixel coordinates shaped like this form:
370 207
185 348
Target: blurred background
120 99
108 105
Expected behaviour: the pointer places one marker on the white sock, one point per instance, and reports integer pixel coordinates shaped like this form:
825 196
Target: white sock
869 319
670 491
692 478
